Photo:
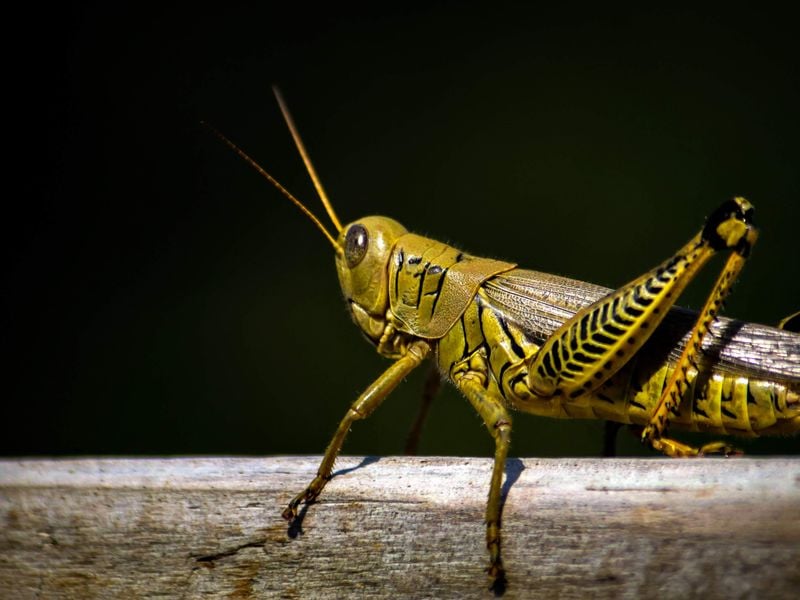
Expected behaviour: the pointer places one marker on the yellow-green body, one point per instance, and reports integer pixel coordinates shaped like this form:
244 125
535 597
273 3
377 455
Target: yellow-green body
501 315
514 339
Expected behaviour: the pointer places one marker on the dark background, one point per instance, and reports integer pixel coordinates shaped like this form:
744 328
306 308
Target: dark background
160 298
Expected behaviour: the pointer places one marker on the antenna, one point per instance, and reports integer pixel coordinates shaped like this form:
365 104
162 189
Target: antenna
280 188
302 150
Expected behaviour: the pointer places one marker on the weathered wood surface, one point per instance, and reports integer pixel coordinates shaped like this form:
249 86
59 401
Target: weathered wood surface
398 528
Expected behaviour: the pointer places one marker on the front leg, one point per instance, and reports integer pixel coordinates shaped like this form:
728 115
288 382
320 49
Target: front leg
367 402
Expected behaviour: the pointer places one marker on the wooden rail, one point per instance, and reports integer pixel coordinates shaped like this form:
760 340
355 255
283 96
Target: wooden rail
398 528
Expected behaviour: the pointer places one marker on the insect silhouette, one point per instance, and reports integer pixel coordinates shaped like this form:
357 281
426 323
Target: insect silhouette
516 339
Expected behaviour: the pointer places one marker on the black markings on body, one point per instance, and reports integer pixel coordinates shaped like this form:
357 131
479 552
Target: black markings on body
613 330
518 378
573 368
583 324
439 285
623 318
503 369
555 352
593 320
663 276
547 364
421 282
515 347
640 299
400 261
601 338
573 342
480 325
751 399
465 352
651 287
633 311
592 348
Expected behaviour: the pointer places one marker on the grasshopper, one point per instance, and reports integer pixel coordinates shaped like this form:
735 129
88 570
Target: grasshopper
510 338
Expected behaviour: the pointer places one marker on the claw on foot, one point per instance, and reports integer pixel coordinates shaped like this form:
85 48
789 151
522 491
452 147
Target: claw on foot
719 448
677 449
305 497
497 575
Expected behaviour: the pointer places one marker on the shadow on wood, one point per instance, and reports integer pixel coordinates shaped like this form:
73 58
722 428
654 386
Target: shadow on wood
398 527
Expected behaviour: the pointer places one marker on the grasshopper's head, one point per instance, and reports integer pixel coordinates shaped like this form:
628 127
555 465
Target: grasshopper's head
363 268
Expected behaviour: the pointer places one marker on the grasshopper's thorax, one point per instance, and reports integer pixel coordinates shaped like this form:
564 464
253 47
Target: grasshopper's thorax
400 285
431 284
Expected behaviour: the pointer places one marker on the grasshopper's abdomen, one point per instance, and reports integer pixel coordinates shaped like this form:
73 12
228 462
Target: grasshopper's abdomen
715 402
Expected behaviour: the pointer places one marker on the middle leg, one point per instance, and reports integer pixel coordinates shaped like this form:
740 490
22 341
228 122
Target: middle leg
498 422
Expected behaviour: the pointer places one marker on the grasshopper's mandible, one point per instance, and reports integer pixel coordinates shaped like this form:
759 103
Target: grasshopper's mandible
499 334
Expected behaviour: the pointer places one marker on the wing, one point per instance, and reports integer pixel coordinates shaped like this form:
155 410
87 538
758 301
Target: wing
539 303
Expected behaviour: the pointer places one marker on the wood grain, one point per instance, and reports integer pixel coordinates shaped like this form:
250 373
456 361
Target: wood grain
398 528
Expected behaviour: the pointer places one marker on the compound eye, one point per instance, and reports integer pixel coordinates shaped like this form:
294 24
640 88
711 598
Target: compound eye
355 245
